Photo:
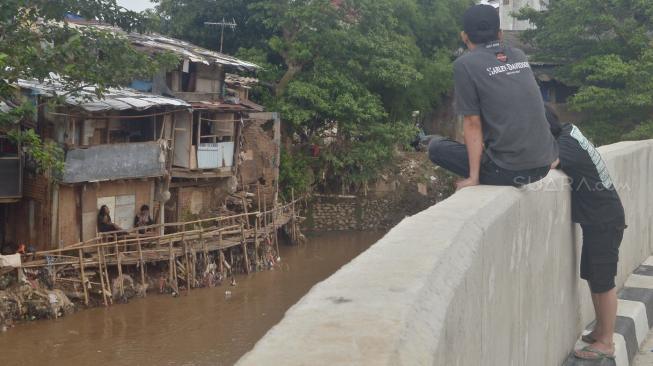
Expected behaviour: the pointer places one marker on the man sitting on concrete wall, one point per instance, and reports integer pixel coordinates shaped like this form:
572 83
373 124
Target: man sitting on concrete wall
507 140
596 206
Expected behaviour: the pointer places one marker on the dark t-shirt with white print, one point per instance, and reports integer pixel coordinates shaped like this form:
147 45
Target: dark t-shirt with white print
496 82
594 199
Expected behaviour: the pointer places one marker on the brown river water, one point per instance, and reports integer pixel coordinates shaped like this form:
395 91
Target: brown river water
202 328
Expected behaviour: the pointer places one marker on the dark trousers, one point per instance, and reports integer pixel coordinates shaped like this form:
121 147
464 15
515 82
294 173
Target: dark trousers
452 156
598 260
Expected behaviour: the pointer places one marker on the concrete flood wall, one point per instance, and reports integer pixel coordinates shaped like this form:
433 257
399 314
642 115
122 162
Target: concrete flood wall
486 277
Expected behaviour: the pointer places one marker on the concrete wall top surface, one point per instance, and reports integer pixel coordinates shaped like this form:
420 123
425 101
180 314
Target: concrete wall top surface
486 277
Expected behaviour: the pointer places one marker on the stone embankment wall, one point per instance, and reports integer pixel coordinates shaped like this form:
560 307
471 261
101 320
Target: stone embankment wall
329 213
372 212
487 277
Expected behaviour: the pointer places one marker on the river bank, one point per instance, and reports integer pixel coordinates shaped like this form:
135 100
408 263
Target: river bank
410 185
203 328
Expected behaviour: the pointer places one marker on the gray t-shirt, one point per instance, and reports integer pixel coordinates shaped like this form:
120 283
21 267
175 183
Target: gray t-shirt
497 83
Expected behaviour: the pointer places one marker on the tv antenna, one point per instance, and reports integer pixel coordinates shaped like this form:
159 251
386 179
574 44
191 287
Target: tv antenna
222 25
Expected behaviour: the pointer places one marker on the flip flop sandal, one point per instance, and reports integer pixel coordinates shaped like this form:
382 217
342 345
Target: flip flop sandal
598 354
587 338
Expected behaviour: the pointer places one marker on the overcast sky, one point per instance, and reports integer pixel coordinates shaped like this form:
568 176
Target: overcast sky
136 5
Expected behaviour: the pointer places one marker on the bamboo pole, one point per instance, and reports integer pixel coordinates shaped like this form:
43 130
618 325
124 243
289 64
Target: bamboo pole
256 243
258 194
265 212
187 266
104 273
175 274
292 226
276 242
245 209
244 243
142 264
171 264
205 250
193 265
101 273
121 285
221 262
83 276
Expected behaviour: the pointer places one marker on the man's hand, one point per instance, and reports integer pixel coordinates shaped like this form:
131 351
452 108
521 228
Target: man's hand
473 131
555 164
469 182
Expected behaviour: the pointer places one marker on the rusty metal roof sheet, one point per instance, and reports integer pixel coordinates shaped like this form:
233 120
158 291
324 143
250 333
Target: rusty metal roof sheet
233 79
114 98
186 50
242 105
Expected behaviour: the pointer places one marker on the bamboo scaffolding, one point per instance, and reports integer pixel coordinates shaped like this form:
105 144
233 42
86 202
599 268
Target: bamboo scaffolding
131 248
82 276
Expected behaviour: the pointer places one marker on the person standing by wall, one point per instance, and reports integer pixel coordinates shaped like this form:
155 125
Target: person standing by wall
596 206
507 141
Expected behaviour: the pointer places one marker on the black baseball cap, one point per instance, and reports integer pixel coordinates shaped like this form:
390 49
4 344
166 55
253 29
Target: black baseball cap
481 22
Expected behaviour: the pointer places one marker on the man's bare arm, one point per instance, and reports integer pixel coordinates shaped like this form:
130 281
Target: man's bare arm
473 131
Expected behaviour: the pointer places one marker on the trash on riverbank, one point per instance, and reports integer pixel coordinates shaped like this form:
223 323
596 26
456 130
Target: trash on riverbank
30 300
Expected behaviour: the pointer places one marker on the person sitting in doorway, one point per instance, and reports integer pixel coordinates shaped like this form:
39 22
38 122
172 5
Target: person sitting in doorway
143 218
104 223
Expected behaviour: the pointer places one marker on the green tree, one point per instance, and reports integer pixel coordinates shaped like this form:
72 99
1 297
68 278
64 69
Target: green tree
345 74
37 40
605 49
185 19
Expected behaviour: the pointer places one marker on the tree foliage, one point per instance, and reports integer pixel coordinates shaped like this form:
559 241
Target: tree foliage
346 75
36 40
606 49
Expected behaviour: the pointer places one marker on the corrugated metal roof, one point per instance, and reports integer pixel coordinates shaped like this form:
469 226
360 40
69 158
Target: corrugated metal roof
186 50
233 79
114 98
242 105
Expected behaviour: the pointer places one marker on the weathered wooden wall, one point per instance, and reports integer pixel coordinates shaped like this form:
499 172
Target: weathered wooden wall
78 205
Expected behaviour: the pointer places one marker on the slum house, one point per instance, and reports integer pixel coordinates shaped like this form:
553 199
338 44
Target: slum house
225 144
229 146
116 154
11 185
